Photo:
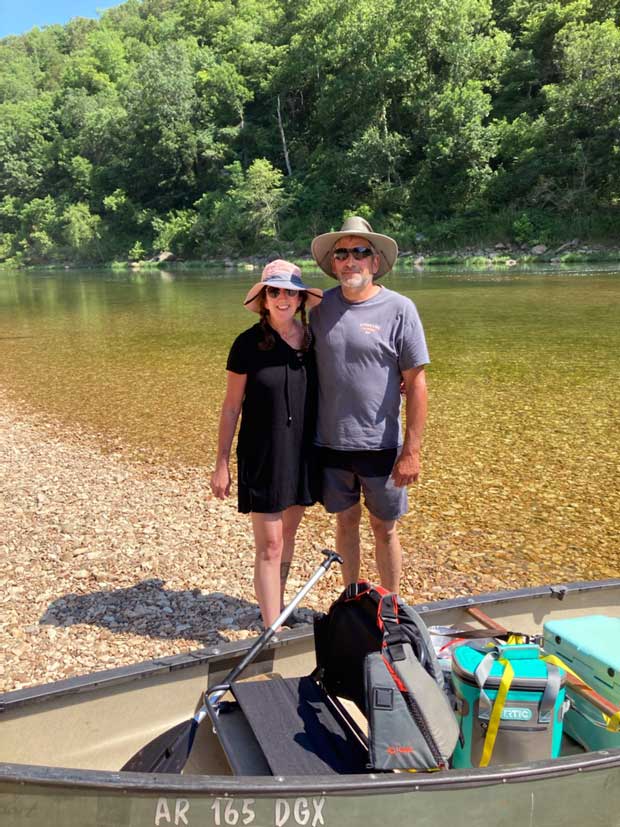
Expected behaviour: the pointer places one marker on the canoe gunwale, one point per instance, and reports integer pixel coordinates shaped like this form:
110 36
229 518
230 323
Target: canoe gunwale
262 786
133 672
556 590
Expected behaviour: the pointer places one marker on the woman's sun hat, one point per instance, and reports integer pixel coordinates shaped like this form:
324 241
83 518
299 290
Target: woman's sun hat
283 274
385 247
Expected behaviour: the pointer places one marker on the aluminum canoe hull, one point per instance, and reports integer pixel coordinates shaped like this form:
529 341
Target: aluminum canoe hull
60 744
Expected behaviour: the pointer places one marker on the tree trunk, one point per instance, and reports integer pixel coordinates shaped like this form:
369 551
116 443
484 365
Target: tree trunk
283 136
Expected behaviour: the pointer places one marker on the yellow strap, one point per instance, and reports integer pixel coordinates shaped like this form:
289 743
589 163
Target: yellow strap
556 661
612 722
515 639
496 714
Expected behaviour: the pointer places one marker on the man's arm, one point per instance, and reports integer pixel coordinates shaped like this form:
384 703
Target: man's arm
407 466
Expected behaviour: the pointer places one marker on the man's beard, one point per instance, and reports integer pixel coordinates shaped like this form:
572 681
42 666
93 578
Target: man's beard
355 281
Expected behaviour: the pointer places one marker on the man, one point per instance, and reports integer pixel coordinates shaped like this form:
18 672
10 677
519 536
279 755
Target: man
368 340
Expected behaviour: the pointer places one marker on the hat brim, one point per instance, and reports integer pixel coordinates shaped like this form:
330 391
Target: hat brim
252 300
386 247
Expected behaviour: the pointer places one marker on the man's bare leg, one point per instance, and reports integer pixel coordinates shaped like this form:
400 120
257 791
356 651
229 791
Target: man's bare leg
388 553
348 542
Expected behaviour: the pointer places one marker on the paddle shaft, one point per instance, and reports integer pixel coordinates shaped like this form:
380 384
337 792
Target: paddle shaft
263 640
575 683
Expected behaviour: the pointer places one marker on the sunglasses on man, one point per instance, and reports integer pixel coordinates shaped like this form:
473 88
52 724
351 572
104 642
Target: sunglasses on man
274 292
358 253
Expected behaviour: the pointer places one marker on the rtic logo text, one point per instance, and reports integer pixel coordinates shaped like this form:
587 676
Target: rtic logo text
516 713
366 327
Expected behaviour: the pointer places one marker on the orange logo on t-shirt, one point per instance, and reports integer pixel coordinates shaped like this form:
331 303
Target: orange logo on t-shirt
366 327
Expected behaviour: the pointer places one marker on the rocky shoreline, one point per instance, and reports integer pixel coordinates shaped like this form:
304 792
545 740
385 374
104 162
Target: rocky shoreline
511 255
499 254
104 561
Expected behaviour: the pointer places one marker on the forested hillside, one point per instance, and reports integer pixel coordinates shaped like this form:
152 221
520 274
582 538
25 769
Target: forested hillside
228 127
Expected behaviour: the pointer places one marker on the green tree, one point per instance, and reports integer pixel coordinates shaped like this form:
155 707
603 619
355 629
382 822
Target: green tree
173 122
27 133
567 157
258 198
80 229
584 113
19 75
246 217
39 226
160 104
174 231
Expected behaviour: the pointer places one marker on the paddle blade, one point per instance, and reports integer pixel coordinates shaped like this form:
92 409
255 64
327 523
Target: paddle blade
166 753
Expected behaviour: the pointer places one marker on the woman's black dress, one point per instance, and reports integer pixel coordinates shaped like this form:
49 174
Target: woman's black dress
278 418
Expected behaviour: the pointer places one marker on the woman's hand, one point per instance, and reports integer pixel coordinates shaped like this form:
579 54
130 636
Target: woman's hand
220 482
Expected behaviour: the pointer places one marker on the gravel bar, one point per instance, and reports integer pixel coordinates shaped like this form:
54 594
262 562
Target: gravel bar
106 561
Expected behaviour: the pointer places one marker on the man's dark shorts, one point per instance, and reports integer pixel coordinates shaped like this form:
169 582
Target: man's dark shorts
347 473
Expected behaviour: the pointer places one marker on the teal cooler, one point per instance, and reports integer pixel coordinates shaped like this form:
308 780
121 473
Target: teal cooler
590 646
530 726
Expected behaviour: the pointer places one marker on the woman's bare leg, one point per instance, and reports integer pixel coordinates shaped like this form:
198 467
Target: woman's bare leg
268 542
291 518
274 538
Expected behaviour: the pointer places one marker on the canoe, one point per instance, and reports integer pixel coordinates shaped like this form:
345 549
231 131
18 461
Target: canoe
62 746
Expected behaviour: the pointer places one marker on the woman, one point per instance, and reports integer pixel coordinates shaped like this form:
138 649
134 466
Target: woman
271 382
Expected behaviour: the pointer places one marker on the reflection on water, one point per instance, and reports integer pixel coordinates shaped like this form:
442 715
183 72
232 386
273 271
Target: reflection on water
137 357
521 453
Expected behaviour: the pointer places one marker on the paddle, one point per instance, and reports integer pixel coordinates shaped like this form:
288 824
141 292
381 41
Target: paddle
169 751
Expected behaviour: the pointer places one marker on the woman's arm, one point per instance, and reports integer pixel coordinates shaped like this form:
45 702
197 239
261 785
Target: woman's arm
229 416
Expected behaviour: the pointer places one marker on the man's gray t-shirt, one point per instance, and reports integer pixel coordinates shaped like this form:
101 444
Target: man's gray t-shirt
361 350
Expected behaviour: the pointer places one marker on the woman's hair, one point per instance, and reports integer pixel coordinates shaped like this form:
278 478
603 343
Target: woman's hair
268 340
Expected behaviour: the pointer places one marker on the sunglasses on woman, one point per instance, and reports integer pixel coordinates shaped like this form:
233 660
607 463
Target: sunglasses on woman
358 253
274 292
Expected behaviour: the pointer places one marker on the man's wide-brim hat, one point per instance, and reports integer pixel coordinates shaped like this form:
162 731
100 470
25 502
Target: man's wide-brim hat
385 247
286 276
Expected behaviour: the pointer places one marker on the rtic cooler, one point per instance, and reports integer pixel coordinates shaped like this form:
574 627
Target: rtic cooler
590 646
510 705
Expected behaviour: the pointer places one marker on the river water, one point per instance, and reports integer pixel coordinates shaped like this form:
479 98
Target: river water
521 458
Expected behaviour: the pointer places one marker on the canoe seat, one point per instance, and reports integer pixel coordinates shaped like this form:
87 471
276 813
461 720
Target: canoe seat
288 726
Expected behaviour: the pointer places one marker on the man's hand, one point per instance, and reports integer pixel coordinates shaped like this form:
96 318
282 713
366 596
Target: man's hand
220 482
406 468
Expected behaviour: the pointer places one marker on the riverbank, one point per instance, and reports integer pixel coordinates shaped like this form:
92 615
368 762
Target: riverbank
499 255
106 561
480 257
